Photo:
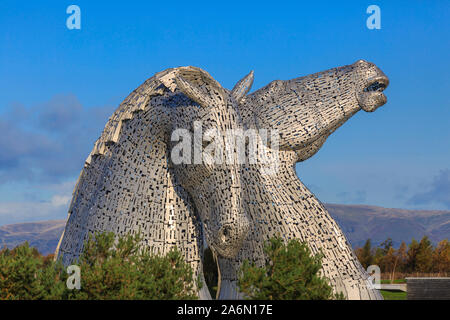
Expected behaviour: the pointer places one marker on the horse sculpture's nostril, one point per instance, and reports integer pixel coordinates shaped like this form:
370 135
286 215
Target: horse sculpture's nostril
224 233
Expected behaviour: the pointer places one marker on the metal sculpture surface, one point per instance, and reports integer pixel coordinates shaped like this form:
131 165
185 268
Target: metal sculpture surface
140 177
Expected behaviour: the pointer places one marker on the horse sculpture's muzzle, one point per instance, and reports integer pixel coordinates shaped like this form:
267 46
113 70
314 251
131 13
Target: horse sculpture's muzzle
371 96
227 236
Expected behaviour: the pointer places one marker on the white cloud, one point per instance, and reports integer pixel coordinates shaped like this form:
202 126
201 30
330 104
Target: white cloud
48 142
58 201
41 148
17 212
53 209
435 192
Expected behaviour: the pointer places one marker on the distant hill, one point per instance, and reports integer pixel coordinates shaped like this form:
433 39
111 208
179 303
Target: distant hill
43 235
359 222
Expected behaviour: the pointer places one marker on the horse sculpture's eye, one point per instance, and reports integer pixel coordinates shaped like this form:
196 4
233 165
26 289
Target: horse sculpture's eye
205 144
209 151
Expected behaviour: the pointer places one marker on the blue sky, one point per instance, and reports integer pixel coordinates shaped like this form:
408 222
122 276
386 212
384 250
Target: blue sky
59 86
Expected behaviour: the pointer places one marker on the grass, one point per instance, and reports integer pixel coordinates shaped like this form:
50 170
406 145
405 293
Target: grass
393 295
385 281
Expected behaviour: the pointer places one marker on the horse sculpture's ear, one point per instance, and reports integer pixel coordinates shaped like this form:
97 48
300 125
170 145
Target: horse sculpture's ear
199 86
242 87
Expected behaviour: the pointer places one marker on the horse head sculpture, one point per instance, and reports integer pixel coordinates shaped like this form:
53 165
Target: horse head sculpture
162 167
211 173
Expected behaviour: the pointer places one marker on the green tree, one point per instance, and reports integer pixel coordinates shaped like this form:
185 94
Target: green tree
378 257
441 257
424 257
386 245
123 270
411 262
365 254
402 257
25 274
385 256
110 269
290 272
389 261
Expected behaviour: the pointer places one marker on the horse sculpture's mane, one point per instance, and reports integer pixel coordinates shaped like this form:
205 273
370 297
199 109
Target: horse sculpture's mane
164 215
137 101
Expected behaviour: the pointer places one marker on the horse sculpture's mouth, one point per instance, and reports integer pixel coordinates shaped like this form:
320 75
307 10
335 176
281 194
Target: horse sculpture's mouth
377 84
372 96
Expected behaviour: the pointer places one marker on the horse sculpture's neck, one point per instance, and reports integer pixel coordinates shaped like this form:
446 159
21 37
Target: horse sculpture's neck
280 205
